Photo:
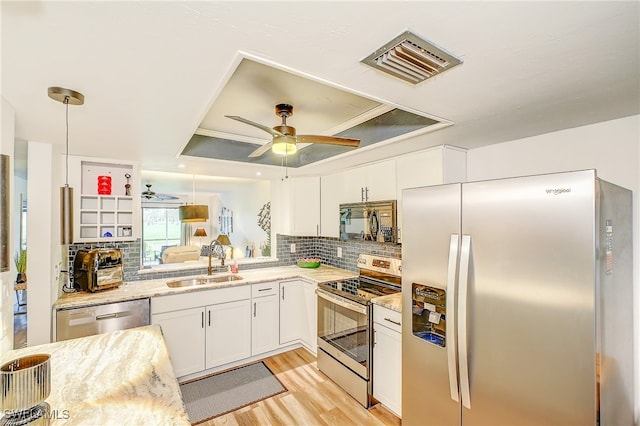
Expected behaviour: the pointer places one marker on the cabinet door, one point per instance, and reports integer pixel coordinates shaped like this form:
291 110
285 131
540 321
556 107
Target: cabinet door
434 166
387 367
184 334
291 310
353 185
331 188
264 324
306 205
228 332
381 181
309 334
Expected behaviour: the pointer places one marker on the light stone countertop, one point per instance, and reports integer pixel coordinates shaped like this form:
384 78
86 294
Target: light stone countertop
158 287
390 301
123 377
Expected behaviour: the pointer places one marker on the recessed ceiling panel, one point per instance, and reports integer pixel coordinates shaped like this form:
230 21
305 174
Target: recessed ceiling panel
254 90
383 127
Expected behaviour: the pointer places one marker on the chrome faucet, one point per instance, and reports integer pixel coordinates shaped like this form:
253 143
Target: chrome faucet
212 244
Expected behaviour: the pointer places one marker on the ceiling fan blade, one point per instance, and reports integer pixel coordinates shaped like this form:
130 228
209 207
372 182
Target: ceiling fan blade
254 124
329 140
264 148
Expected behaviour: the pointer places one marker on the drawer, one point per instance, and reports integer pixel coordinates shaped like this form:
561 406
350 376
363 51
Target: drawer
264 289
176 302
387 317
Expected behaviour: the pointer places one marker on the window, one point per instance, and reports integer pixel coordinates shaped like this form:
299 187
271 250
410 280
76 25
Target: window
161 228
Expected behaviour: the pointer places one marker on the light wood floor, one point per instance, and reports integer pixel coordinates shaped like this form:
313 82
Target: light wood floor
312 399
19 331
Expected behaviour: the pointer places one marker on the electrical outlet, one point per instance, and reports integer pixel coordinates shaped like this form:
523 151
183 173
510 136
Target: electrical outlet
292 248
339 251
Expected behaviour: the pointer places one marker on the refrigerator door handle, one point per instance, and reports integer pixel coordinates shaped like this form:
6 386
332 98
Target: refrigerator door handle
451 318
465 255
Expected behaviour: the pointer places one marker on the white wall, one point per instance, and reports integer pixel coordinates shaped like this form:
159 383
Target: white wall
610 147
245 205
43 240
7 131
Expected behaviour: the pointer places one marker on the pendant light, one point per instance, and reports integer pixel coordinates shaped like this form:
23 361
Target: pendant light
66 96
193 212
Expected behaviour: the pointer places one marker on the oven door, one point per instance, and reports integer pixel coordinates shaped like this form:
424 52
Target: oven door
343 331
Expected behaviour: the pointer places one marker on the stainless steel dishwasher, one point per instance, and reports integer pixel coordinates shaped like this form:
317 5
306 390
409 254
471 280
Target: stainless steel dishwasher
96 319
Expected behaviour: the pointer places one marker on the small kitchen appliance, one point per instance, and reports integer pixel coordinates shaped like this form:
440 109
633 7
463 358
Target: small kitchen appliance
345 324
369 221
98 269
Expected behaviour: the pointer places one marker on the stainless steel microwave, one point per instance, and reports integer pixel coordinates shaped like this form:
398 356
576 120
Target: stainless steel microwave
370 221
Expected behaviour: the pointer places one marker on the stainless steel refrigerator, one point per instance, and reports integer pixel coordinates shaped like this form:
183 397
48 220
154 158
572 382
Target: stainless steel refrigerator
517 302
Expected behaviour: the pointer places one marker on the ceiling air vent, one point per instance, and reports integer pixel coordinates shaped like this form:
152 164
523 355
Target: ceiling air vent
411 58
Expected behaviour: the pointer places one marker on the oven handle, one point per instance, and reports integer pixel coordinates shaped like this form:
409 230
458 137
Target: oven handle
340 301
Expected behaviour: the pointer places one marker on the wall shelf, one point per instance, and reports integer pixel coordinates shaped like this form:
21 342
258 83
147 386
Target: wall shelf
105 217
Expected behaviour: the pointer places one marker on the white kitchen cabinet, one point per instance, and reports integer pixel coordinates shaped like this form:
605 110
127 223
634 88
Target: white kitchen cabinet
184 334
205 329
228 332
435 166
331 189
298 313
291 310
373 182
387 358
309 332
265 317
105 217
305 204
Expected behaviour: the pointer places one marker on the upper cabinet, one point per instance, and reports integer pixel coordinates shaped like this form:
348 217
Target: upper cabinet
106 199
309 206
435 166
373 182
305 206
330 197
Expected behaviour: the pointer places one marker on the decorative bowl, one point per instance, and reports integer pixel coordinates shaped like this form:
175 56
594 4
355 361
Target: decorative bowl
309 262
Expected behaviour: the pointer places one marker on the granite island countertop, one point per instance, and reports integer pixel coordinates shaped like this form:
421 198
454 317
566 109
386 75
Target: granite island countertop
123 377
158 287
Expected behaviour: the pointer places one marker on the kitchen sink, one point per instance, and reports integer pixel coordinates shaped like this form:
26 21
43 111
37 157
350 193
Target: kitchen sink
203 280
223 279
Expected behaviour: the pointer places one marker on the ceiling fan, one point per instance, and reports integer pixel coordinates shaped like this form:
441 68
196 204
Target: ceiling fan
284 137
151 195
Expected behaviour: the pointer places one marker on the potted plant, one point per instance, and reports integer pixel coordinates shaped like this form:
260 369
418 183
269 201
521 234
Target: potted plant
20 259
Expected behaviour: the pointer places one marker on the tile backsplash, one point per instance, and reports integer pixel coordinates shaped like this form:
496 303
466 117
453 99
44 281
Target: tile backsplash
324 248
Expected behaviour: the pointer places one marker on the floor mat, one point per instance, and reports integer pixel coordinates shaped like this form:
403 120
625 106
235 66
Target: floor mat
212 396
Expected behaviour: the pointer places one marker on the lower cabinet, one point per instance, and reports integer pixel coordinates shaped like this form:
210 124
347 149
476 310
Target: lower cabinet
298 313
205 329
291 310
264 318
210 328
228 332
387 358
184 334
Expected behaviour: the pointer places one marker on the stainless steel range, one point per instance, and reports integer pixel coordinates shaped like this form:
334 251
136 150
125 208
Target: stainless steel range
345 324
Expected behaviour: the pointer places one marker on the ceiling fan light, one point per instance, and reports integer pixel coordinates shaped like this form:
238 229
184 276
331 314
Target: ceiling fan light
284 145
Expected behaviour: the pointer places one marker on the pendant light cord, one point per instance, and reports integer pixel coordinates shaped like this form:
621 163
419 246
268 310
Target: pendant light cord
66 178
284 163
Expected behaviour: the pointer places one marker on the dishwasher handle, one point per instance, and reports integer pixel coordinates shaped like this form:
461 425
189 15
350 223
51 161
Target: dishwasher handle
107 316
